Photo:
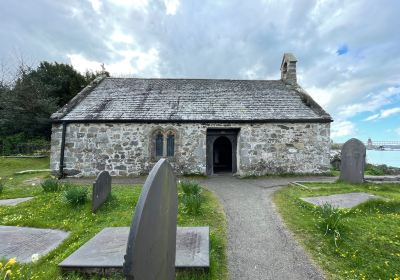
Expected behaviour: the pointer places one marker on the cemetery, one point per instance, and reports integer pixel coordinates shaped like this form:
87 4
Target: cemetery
66 230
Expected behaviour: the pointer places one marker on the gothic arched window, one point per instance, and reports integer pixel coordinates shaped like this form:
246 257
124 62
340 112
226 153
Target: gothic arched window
159 144
170 144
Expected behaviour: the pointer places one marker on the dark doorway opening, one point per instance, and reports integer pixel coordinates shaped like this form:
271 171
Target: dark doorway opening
222 155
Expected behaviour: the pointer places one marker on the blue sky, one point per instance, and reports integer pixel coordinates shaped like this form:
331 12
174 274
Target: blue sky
348 51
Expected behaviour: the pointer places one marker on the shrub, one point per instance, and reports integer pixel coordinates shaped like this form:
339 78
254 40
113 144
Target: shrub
190 188
192 203
51 185
75 195
2 184
331 219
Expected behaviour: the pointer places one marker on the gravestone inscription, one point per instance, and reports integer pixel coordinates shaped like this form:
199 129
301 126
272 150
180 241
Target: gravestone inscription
101 190
353 161
151 247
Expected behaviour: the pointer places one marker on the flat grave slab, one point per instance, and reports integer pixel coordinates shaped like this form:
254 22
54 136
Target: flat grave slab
14 201
344 200
23 242
106 250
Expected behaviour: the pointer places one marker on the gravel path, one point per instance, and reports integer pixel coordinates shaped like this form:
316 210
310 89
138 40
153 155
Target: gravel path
259 246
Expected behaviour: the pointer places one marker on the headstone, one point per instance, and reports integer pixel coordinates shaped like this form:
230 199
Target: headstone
101 190
353 161
151 247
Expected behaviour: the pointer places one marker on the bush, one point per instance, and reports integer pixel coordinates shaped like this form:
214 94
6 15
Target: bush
51 185
191 197
190 188
331 219
75 195
2 184
192 203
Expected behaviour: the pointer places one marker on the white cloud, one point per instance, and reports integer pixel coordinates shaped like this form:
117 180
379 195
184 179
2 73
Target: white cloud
389 112
171 6
96 5
131 4
372 117
119 37
373 102
384 114
342 128
397 130
132 63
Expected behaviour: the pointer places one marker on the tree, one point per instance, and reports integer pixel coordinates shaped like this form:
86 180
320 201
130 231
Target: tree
26 106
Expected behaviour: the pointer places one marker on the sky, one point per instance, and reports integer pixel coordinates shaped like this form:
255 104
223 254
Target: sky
348 52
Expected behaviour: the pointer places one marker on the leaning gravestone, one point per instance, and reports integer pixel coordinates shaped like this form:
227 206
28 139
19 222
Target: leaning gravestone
101 190
353 161
151 247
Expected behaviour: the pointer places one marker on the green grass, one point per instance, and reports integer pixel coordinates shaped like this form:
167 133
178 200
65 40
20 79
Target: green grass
369 244
49 210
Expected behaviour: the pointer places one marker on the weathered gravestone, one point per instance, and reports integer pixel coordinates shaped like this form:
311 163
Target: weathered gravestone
147 249
151 247
353 161
101 190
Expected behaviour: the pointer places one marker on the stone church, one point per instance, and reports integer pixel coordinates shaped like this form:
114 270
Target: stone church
203 126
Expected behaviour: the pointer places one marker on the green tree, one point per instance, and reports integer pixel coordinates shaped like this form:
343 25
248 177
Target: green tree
26 107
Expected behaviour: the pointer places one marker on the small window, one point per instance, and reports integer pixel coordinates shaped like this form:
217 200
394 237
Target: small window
159 144
170 145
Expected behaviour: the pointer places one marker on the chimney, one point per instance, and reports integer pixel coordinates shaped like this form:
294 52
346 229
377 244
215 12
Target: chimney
288 69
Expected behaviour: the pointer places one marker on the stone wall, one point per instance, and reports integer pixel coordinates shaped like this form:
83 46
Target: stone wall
126 149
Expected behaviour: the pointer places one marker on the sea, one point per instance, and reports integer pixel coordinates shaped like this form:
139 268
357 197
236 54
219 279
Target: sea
388 157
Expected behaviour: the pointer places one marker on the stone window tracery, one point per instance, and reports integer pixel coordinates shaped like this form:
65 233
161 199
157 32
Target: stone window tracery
163 143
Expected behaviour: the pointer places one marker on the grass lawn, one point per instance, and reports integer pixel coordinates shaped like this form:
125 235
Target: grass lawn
369 243
49 210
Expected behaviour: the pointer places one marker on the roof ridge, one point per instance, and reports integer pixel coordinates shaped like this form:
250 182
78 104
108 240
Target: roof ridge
194 79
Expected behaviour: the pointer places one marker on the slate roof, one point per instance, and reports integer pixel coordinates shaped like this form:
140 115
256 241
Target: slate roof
196 100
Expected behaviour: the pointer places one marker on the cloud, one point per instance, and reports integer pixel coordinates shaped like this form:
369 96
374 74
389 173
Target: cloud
342 128
229 39
389 112
373 117
384 114
371 103
96 5
171 6
397 130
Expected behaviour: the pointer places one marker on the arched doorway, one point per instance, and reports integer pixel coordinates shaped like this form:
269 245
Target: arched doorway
222 155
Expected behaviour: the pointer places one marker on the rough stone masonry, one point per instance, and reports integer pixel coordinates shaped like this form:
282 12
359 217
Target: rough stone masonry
124 149
203 126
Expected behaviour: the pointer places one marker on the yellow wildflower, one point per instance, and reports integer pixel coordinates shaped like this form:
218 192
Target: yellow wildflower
8 273
11 262
1 265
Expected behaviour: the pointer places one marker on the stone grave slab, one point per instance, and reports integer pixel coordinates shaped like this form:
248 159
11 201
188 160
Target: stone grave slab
23 242
14 201
105 251
101 190
344 200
